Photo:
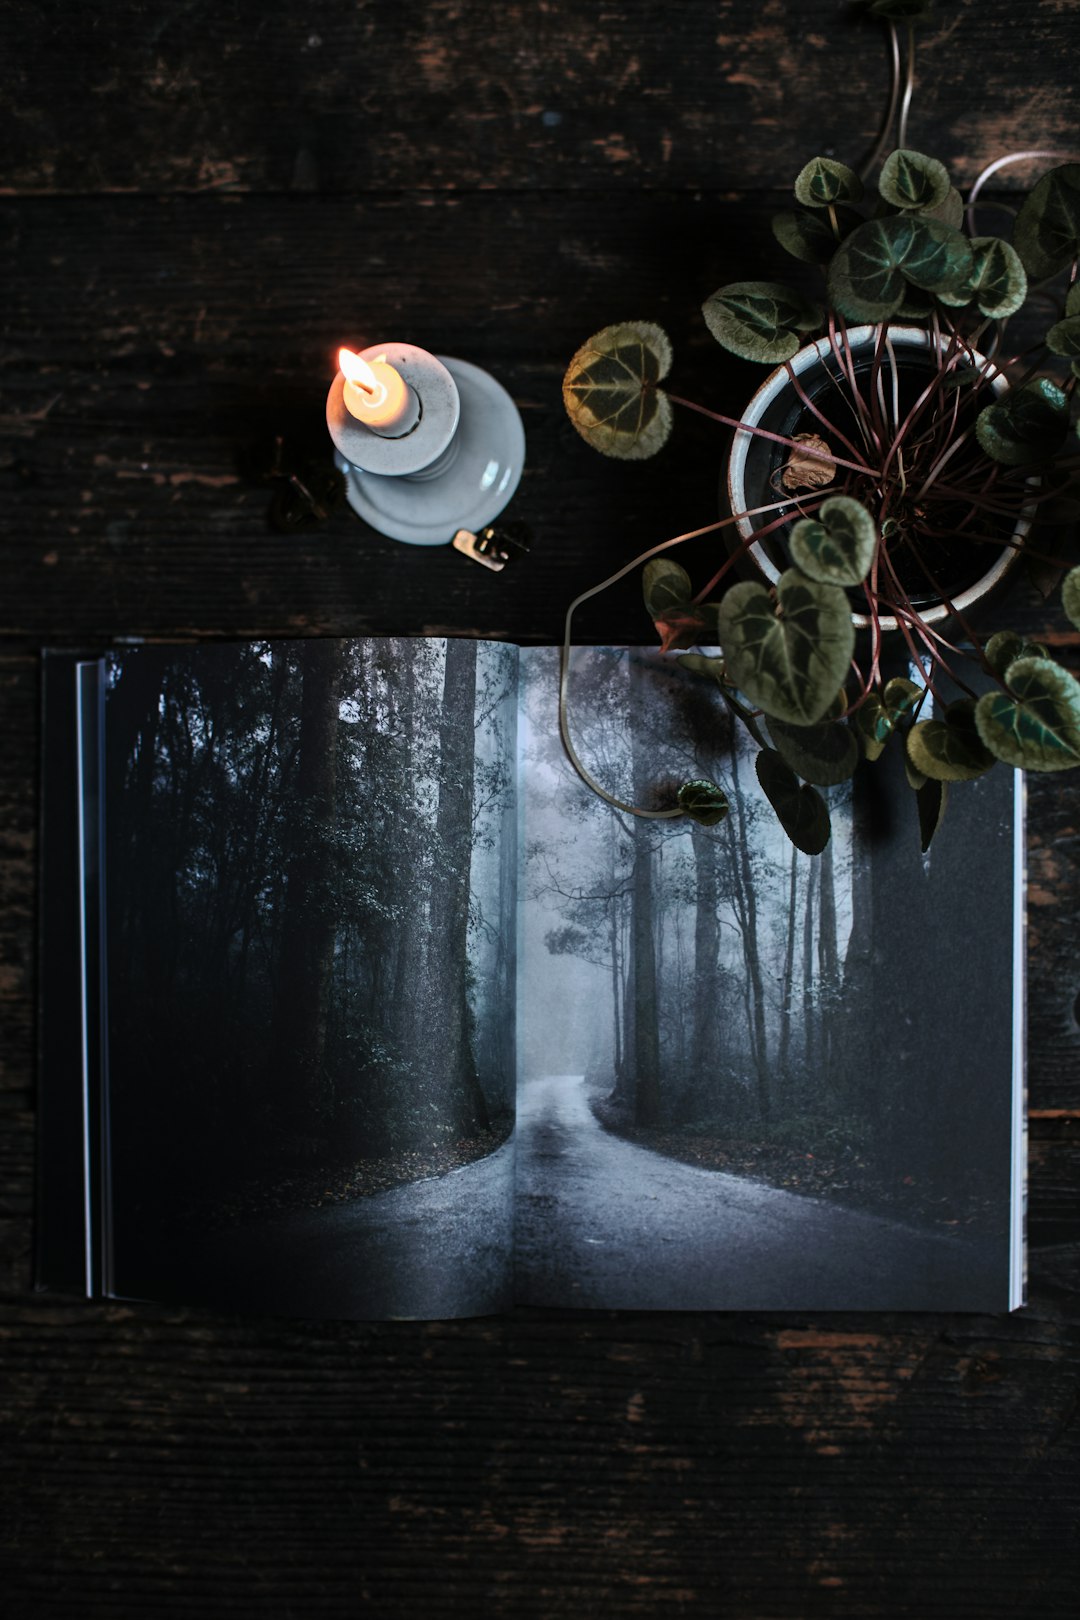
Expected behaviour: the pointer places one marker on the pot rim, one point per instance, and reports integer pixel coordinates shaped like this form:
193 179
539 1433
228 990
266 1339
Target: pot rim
774 385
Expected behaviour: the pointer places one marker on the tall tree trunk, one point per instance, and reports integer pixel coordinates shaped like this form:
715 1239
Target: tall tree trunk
705 1038
789 969
751 955
809 1016
828 965
302 993
646 1047
451 1052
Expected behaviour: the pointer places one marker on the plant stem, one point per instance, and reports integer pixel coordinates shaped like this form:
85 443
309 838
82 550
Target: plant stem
890 110
763 433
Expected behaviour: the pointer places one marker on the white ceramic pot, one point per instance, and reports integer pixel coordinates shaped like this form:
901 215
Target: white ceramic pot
753 461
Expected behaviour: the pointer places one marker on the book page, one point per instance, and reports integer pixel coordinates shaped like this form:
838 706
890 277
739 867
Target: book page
310 880
752 1078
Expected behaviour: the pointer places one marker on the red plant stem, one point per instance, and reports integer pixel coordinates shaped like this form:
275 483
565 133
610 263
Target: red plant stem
763 433
809 405
745 545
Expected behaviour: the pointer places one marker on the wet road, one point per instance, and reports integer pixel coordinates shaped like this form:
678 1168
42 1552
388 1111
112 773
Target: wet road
604 1223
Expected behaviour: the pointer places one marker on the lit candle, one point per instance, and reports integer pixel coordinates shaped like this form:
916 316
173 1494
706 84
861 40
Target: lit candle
377 395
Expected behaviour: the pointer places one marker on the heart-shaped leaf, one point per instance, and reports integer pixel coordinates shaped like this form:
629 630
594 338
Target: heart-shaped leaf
1070 596
1072 299
1029 424
1036 723
931 798
901 695
610 390
1064 337
1005 647
789 657
824 754
871 272
997 283
837 546
810 465
824 182
877 717
700 664
810 237
912 180
950 212
760 320
703 802
1047 228
949 749
802 811
664 585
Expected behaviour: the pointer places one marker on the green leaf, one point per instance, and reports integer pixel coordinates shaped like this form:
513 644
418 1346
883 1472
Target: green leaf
824 754
911 180
837 546
950 212
823 181
810 237
1005 647
802 811
873 725
1070 596
949 749
703 802
931 798
760 320
1064 338
871 271
877 718
1036 723
901 695
1072 299
664 585
1028 424
997 282
699 664
610 390
791 657
1047 228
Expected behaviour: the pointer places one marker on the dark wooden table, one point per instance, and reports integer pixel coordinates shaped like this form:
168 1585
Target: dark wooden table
200 203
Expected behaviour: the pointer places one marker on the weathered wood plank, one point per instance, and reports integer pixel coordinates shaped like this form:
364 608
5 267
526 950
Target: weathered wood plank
362 96
150 339
623 1465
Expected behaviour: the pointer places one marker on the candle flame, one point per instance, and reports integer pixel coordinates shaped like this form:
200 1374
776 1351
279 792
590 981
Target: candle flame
357 371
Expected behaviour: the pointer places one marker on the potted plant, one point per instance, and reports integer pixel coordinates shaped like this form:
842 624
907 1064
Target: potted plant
883 479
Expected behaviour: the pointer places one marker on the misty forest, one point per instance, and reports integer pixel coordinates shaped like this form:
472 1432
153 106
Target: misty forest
342 876
832 1024
311 902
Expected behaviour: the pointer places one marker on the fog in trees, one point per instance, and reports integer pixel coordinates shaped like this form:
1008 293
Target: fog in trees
714 981
311 902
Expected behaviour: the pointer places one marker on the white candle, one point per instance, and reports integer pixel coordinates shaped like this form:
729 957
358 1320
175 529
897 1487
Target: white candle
377 395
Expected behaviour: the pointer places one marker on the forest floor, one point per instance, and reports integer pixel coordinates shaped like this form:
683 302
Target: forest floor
840 1176
277 1192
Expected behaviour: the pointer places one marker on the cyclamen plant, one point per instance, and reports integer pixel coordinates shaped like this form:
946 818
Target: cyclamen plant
894 474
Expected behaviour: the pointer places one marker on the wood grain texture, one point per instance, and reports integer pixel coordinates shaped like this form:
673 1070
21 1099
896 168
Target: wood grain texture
148 96
199 204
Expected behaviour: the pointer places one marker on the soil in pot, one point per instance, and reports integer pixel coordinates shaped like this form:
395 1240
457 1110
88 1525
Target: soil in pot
939 549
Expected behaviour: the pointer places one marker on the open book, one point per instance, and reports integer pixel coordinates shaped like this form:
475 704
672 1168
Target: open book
359 1003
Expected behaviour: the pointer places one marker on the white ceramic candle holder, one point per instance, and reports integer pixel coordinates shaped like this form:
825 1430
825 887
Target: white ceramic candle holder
455 469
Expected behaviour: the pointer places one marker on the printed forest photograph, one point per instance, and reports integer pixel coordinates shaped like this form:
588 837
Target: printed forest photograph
310 895
750 1075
